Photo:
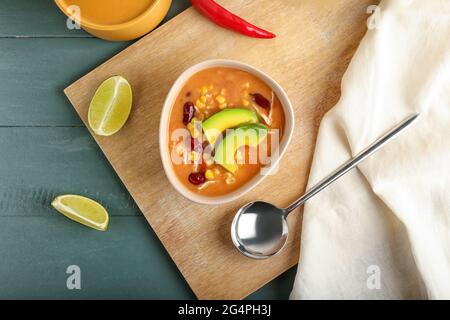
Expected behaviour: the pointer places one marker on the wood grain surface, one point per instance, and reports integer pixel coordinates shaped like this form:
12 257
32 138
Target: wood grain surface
315 42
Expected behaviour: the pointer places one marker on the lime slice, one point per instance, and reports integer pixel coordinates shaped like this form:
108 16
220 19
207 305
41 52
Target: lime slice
82 210
110 106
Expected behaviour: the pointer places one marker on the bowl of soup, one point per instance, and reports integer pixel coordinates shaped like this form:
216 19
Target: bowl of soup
224 127
116 20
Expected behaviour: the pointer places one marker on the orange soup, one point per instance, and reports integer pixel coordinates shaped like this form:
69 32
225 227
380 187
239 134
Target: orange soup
222 128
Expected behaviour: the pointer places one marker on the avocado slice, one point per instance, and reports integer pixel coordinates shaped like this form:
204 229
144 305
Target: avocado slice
225 119
245 135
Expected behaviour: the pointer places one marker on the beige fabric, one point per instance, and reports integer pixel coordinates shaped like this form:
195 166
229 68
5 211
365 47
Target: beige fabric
389 219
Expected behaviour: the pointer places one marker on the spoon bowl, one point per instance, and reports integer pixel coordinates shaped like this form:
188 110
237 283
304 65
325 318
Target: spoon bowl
259 229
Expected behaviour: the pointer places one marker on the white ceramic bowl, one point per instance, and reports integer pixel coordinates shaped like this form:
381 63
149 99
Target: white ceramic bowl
164 135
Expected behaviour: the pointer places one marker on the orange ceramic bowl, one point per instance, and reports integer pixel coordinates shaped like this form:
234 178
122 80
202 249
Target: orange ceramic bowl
116 20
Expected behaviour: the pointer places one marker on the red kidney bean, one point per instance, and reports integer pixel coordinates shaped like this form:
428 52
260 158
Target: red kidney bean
196 145
197 178
260 100
188 112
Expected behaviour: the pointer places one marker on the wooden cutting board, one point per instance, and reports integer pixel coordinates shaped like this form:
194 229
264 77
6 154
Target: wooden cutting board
315 42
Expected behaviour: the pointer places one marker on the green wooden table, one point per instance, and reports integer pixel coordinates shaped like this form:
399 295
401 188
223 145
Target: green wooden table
45 150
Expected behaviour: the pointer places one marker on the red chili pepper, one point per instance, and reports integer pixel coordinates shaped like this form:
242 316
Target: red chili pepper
226 19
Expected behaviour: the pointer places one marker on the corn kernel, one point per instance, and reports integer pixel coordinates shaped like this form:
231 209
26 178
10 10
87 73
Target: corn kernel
204 90
180 150
222 106
193 128
209 174
200 104
220 99
203 99
247 85
245 102
216 171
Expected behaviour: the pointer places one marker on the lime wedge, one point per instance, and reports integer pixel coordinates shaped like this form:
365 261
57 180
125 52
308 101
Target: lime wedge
82 210
110 106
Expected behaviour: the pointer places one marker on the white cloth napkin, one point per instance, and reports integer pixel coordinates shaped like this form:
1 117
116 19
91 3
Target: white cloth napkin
383 230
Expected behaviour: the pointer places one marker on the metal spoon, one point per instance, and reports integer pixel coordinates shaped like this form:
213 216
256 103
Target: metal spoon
260 230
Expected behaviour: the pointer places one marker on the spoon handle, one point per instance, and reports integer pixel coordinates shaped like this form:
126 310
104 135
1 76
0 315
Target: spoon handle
350 164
